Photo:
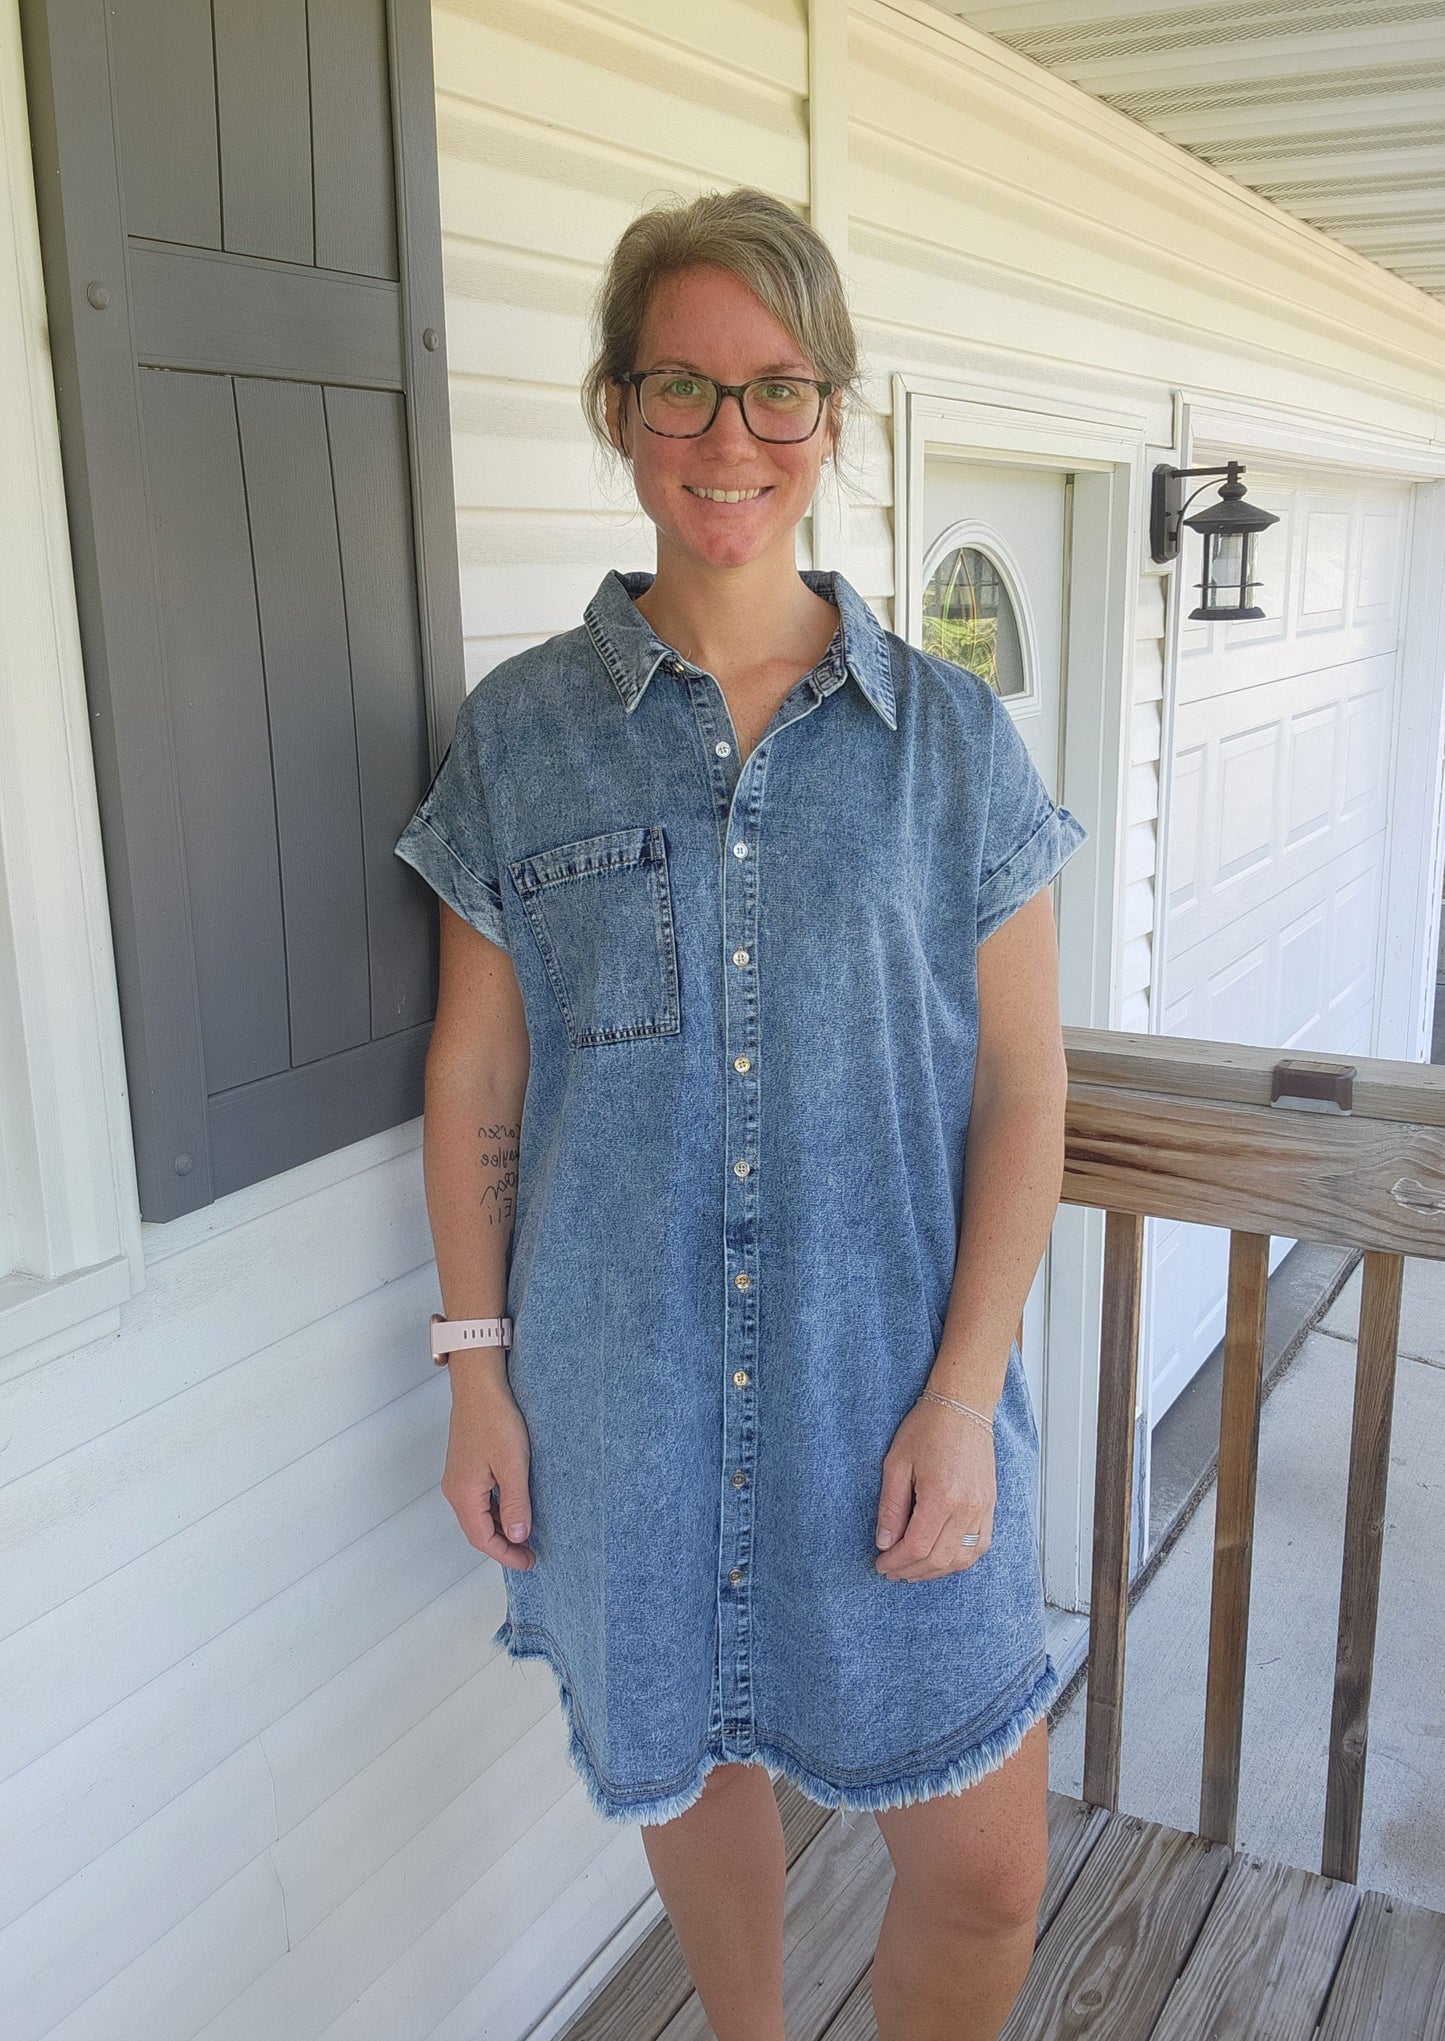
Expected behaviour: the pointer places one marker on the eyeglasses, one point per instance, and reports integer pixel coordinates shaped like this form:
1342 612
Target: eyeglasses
680 405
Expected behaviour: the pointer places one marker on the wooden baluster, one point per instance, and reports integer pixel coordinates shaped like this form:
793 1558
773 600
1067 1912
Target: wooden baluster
1360 1575
1113 1496
1233 1533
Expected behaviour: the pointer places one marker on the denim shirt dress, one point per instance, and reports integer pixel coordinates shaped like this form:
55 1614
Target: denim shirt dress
751 998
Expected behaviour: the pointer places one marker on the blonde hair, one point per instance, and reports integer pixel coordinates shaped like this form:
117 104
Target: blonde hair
781 259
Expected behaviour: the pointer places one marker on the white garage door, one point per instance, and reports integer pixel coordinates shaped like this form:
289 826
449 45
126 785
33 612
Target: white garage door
1277 867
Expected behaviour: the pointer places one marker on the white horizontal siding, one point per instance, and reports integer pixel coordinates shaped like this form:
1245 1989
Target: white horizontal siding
92 1651
75 1940
202 1309
256 1743
122 1496
204 1962
167 1733
440 1864
529 1945
557 123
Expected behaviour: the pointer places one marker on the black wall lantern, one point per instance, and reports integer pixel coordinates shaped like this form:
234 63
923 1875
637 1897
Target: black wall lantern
1230 529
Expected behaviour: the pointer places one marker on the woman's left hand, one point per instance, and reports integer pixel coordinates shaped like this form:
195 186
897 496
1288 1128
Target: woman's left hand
939 1483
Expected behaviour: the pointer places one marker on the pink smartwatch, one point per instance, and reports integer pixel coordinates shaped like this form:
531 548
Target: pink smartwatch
450 1335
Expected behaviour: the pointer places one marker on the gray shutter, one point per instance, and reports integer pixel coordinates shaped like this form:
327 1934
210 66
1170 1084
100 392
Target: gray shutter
238 207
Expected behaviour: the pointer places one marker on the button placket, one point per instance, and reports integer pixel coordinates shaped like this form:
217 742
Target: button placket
739 793
740 1240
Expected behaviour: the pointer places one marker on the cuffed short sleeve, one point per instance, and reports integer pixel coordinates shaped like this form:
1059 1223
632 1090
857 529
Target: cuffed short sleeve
1027 837
449 838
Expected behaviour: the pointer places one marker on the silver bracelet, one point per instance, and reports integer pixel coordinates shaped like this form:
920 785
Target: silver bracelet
954 1404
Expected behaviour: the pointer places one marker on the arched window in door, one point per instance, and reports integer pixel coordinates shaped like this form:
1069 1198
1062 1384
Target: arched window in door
969 617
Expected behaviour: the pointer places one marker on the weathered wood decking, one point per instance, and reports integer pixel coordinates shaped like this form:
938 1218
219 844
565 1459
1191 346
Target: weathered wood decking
1143 1932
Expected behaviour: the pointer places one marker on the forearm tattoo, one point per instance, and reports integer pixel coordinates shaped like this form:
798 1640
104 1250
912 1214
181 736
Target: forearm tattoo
498 1165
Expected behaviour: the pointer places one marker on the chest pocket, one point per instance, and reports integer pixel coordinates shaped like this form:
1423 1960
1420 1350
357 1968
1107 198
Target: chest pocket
601 911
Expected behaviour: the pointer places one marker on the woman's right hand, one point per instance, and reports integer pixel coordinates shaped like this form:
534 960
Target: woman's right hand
488 1446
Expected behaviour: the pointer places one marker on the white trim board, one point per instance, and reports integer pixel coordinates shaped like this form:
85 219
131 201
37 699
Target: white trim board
1305 438
69 1221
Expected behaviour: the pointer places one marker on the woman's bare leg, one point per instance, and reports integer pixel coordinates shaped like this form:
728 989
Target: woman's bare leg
958 1933
721 1871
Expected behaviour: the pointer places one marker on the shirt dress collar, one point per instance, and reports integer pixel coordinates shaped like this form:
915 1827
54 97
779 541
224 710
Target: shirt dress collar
632 651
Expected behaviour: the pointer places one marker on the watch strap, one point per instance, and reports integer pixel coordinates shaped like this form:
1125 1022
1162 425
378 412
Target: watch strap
451 1335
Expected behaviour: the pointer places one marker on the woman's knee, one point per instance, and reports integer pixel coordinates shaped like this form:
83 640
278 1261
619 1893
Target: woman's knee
975 1860
978 1892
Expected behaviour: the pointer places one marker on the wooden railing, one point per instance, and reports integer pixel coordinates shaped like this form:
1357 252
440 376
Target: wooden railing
1345 1151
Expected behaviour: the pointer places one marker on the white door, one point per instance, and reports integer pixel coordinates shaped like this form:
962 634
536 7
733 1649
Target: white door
995 568
1277 854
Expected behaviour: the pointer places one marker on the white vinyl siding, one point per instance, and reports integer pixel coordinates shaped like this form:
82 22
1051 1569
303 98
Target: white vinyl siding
556 124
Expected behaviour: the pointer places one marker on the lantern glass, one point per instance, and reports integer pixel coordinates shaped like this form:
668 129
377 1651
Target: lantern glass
1228 580
1226 560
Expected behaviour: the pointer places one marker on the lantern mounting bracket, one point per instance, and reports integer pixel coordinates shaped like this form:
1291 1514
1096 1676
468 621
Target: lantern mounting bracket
1168 505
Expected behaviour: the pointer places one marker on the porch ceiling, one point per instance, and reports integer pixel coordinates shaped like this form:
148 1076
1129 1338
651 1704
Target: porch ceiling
1333 110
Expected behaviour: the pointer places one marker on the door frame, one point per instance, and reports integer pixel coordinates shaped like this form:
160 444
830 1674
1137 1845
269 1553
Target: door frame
1103 444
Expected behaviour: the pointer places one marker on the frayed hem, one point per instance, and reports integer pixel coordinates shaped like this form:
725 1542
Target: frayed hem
952 1776
658 1808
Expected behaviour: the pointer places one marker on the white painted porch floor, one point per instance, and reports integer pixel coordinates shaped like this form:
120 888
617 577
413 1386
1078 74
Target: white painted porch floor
1299 1531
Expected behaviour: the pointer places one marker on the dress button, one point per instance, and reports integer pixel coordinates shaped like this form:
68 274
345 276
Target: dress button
735 1575
741 1168
675 666
743 1280
740 956
742 1063
739 1478
740 850
740 1379
723 748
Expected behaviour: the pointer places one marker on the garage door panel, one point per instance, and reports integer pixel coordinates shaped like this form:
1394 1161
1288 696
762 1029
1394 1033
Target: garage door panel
1304 655
1267 909
1304 963
1368 718
1325 537
1313 745
1220 909
1378 582
1331 570
1255 804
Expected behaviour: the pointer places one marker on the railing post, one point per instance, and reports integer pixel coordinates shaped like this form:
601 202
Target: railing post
1379 1338
1233 1533
1113 1493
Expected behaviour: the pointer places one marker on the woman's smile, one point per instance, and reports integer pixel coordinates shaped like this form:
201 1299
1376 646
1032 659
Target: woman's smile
723 495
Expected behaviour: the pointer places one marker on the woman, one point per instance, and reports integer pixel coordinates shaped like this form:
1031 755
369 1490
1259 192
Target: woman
746 938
